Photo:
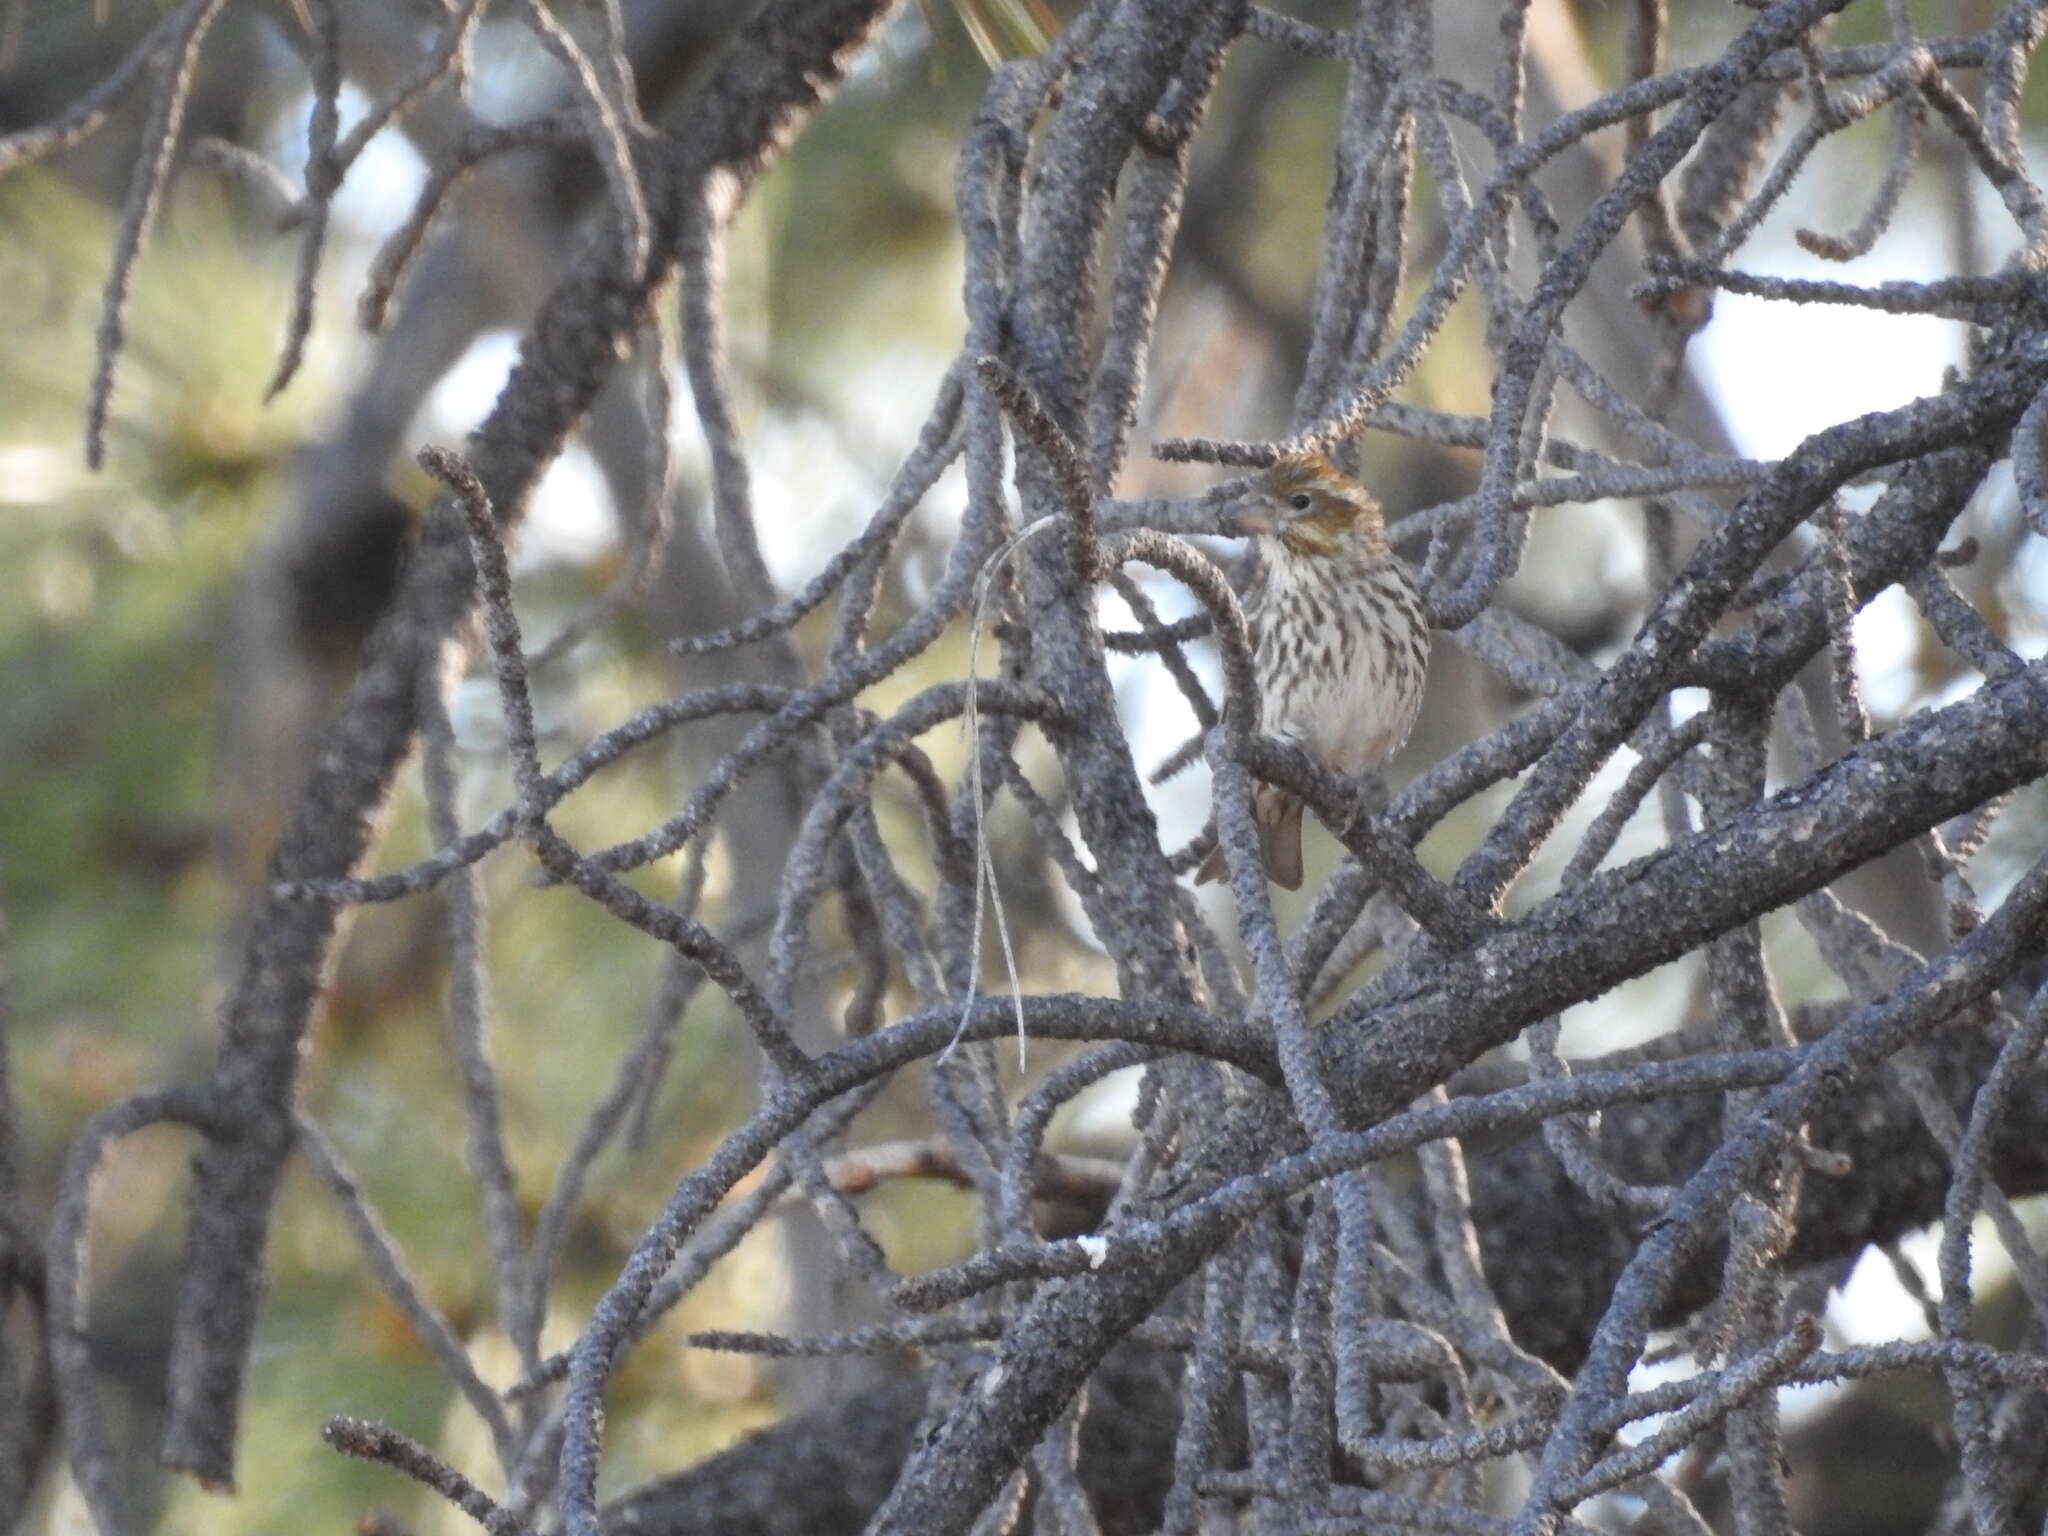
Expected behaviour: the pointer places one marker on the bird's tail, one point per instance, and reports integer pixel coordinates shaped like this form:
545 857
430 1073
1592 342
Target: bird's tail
1279 816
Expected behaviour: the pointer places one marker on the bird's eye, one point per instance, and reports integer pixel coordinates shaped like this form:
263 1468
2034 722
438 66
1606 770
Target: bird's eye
1301 501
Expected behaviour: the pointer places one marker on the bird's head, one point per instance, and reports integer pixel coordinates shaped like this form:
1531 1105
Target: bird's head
1313 510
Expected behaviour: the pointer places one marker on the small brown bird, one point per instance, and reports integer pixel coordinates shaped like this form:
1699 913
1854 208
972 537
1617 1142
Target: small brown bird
1340 643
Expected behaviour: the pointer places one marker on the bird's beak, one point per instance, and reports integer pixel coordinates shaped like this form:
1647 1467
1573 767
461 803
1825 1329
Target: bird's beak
1254 523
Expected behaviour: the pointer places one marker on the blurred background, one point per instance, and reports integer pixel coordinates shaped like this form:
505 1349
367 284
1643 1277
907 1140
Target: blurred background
175 626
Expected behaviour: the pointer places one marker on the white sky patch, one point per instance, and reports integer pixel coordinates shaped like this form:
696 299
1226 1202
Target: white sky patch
461 397
38 473
2031 565
1103 1114
1624 562
512 69
571 518
932 529
1156 714
1687 702
1794 1403
1781 372
821 467
1637 1010
381 186
1886 633
1643 1378
810 497
1872 1307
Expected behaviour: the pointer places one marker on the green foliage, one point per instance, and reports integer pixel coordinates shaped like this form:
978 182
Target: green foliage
109 647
